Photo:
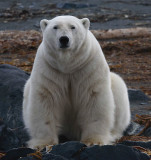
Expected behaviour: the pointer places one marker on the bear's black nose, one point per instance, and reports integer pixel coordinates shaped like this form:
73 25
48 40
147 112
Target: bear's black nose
64 40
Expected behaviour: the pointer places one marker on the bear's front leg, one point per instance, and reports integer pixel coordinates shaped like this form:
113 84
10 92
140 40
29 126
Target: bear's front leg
93 135
39 120
98 119
42 135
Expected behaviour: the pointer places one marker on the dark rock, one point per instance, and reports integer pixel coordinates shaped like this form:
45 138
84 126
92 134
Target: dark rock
146 145
12 81
15 154
133 129
49 156
137 96
108 152
68 149
8 139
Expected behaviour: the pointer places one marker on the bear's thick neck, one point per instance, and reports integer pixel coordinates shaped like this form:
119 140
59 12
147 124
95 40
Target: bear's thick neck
67 63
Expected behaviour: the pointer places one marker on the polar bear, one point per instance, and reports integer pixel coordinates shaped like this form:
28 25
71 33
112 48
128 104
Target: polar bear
71 90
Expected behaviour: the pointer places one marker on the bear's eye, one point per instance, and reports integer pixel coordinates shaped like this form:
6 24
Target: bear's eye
72 27
55 27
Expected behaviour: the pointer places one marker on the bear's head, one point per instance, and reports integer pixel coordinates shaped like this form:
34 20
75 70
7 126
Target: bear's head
64 33
64 42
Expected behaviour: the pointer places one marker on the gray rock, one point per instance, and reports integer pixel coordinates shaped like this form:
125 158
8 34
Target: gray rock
8 138
133 129
12 81
139 103
137 96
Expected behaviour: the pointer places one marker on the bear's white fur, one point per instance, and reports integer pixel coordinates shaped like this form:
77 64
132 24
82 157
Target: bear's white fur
71 90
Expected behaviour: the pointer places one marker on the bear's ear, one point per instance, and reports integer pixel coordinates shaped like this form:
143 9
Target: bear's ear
43 24
86 22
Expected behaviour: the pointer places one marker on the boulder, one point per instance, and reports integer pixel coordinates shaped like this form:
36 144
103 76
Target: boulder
12 81
137 96
8 138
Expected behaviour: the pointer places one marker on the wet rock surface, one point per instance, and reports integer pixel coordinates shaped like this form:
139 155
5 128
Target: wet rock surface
13 135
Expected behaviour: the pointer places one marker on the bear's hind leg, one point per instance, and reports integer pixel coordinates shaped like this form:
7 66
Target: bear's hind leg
122 106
